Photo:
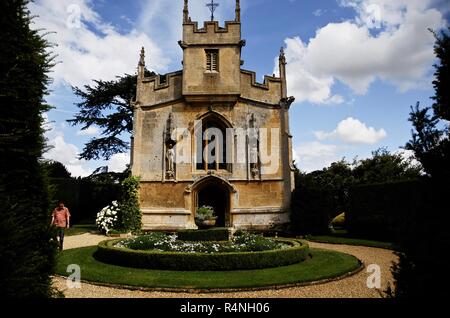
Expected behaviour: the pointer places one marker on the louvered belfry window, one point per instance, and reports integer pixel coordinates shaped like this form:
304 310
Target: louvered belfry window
212 60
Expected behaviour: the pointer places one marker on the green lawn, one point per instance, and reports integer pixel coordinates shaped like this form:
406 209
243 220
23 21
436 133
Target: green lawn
80 229
323 264
340 239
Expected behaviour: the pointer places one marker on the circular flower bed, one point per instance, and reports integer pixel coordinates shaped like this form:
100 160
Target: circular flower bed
163 242
163 251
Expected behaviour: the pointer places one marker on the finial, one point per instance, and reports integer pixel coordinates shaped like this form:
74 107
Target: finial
238 11
282 56
142 59
212 7
186 11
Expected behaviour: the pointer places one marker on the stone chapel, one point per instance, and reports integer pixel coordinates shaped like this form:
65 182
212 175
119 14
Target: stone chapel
211 135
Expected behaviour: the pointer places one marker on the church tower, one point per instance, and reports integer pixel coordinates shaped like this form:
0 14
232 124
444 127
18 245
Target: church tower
210 134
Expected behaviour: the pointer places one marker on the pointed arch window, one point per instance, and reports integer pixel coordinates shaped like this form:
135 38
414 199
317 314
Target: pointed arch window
212 146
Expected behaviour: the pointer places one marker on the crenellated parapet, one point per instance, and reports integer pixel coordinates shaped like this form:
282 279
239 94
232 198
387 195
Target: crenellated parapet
212 34
160 89
268 92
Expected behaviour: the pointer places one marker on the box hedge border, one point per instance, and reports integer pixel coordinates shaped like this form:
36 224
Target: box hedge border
107 253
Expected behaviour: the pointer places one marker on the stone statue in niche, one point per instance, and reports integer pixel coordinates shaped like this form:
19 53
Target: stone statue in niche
170 156
253 147
170 151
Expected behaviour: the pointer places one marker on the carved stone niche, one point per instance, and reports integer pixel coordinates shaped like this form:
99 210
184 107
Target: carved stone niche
253 144
169 150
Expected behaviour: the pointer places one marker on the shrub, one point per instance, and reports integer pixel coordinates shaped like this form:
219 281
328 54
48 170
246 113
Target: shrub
108 253
311 210
131 217
214 234
204 213
108 218
170 243
380 211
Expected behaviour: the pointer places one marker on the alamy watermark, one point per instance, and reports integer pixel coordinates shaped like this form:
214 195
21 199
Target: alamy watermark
256 146
74 279
374 279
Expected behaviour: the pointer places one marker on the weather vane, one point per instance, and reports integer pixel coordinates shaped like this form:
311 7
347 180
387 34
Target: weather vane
212 7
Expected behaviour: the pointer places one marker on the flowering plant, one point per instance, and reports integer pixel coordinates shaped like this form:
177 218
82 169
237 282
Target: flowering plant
244 242
205 213
108 217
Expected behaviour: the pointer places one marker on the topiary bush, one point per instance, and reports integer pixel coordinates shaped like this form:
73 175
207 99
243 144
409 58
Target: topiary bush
130 216
107 252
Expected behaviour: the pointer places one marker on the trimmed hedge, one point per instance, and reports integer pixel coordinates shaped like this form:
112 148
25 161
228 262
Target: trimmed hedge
311 210
382 211
209 235
107 253
83 197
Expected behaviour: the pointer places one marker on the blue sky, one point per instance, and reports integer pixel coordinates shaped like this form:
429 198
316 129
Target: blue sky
354 66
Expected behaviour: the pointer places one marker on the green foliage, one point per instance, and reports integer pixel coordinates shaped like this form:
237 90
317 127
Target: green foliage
379 211
107 253
385 167
321 195
423 236
441 106
130 212
245 242
26 251
430 137
204 213
312 208
55 169
84 197
214 234
107 105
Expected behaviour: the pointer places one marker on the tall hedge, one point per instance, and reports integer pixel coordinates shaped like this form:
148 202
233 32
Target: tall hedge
26 254
84 197
131 217
311 210
380 211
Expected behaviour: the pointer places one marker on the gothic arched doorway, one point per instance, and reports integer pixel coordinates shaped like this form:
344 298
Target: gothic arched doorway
212 192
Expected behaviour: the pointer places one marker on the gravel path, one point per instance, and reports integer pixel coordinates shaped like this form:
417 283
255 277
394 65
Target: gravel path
350 287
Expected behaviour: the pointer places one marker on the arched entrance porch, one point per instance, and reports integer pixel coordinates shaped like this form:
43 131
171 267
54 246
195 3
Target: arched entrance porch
216 192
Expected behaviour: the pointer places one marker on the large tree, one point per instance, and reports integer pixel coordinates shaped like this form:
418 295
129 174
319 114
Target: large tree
384 166
430 136
26 251
107 105
426 235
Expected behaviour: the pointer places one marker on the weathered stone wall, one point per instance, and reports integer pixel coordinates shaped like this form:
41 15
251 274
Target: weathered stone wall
233 97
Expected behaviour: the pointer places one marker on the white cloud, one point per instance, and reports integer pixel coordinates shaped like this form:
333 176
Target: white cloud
162 20
318 12
353 131
91 131
118 162
64 152
88 48
314 155
399 52
408 155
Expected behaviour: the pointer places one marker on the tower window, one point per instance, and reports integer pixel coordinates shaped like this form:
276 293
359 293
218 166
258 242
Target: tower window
212 60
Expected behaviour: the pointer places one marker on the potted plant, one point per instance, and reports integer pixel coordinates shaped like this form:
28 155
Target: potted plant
205 217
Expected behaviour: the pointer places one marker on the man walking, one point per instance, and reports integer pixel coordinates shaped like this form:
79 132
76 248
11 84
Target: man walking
61 219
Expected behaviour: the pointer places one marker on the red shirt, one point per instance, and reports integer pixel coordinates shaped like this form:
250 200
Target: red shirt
61 217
